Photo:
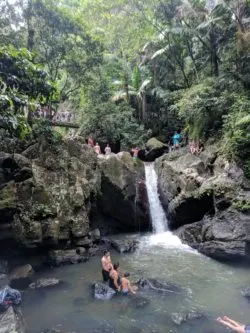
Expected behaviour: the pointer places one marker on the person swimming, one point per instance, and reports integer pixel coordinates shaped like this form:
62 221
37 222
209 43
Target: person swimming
233 324
125 285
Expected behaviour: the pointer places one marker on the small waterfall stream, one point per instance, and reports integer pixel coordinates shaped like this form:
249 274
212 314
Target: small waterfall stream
158 218
162 235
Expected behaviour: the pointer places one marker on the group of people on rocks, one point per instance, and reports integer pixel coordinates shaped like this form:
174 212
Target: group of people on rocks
196 147
97 148
175 140
112 276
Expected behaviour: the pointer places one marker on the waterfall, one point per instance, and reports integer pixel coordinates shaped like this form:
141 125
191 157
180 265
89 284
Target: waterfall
157 214
162 236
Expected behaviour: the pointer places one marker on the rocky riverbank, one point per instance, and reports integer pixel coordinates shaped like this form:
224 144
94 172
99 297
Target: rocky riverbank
53 196
207 201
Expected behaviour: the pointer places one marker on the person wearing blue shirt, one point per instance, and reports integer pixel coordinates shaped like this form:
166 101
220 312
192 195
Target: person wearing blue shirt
176 140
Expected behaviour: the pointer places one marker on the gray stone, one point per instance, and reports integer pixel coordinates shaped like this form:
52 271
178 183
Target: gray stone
84 242
20 277
180 318
102 291
125 245
205 200
81 251
93 250
47 194
45 283
121 200
64 257
158 286
224 236
95 234
12 321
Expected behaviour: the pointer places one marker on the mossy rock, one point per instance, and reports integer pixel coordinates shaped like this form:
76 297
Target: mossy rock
154 144
43 211
241 205
41 196
8 196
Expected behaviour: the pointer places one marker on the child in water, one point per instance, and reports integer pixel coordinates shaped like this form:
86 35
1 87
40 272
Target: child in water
125 285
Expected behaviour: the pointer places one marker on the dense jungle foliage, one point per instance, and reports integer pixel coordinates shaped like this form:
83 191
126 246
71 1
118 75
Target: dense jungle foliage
130 69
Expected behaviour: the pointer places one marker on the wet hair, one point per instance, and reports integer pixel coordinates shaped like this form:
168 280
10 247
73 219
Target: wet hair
116 265
127 274
105 252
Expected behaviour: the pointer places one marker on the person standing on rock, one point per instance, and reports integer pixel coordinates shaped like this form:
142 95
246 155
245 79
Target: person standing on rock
97 149
107 150
114 279
125 285
91 141
106 265
176 140
135 152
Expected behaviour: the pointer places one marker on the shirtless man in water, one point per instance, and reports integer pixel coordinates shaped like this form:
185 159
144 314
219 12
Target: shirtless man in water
125 284
114 279
106 265
234 325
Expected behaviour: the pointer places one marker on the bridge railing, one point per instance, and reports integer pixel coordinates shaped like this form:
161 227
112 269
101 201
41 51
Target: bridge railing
56 118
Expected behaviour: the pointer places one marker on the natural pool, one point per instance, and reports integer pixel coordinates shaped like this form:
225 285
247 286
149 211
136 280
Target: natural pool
208 286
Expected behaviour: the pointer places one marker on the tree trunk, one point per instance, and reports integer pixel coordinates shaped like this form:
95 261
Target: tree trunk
31 31
213 56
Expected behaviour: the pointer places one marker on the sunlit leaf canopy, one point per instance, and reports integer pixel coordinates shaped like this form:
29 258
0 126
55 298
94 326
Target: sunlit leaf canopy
153 65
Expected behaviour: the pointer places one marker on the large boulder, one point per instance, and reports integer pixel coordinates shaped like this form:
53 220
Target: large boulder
12 321
123 200
180 175
46 193
207 198
225 236
154 149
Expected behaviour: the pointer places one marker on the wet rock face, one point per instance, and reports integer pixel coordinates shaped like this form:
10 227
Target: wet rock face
65 257
205 199
224 236
46 192
122 199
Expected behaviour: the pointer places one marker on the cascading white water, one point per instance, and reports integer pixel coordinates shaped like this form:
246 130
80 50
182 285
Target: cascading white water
158 218
162 236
